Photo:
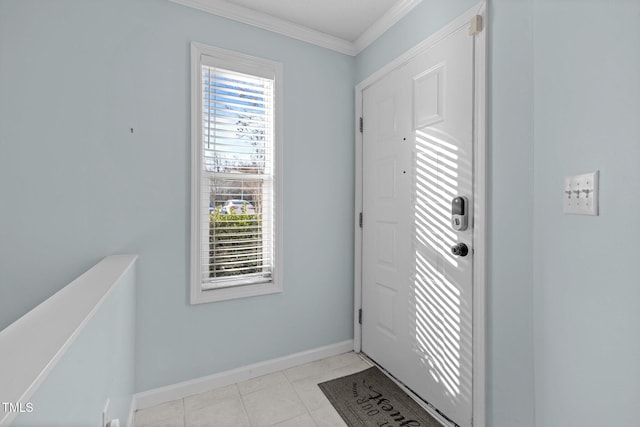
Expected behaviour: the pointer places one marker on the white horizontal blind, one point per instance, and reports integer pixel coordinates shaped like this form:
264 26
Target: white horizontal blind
237 178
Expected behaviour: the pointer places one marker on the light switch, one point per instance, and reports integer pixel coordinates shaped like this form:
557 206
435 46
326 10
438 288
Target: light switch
581 194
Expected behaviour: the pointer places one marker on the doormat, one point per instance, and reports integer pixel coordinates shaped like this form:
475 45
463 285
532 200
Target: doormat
370 398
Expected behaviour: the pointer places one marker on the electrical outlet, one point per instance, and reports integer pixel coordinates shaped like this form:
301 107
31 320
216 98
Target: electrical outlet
581 194
105 414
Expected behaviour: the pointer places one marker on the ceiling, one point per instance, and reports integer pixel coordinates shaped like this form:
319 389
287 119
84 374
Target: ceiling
347 26
343 19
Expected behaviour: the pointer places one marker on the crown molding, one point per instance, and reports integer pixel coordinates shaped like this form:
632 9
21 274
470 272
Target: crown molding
270 23
386 21
299 32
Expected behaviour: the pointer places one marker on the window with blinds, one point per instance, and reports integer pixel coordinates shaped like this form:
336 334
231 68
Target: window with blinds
237 170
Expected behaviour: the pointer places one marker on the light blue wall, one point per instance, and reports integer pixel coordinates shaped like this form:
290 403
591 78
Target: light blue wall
425 19
99 365
587 287
510 376
77 185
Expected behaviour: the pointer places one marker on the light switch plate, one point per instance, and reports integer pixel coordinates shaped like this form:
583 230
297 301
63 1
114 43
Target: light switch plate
581 194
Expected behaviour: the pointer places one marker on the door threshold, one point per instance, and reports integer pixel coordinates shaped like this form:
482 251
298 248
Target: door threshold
441 418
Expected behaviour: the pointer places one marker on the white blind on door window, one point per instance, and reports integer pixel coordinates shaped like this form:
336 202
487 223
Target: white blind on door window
237 178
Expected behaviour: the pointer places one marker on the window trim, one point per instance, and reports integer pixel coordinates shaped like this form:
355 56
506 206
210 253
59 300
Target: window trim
250 65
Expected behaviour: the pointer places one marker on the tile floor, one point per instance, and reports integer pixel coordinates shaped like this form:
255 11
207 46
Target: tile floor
289 398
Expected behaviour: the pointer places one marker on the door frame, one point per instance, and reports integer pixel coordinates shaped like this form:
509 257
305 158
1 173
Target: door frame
480 219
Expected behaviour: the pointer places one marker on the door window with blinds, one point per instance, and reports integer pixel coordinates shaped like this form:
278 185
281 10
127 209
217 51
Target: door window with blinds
235 226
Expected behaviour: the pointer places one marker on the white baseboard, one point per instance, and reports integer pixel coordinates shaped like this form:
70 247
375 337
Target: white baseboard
165 394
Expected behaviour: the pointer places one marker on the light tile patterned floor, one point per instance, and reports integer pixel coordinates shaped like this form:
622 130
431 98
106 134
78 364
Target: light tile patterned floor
289 398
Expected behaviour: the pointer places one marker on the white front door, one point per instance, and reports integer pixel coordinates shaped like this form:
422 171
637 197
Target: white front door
417 157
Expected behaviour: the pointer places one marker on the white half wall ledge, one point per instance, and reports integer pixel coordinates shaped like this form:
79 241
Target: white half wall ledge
31 347
180 390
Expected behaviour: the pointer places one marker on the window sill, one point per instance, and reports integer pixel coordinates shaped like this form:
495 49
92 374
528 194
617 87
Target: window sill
213 294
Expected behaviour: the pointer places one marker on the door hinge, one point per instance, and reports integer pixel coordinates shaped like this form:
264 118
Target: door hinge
360 220
360 316
361 125
475 25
